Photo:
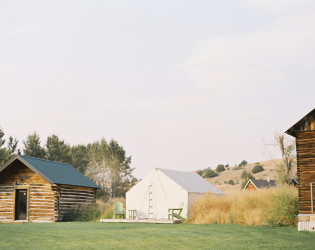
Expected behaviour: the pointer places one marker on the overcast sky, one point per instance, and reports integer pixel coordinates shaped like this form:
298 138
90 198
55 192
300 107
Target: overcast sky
179 84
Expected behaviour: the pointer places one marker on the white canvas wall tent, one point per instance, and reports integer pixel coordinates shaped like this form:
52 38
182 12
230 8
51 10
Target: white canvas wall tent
162 189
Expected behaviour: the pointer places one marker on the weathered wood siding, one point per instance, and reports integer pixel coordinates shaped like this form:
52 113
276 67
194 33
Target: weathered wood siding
6 202
250 186
305 148
312 122
71 196
17 172
41 204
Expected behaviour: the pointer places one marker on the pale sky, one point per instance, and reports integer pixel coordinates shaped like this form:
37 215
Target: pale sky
181 85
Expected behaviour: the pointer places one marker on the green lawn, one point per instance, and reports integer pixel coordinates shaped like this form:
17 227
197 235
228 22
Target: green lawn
89 235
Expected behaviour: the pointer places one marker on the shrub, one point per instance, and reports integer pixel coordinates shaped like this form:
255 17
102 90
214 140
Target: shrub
84 212
244 174
257 168
243 163
284 209
209 173
220 168
281 173
199 172
231 182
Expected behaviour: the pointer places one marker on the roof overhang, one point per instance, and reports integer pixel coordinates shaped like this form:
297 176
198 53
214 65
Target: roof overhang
17 157
292 129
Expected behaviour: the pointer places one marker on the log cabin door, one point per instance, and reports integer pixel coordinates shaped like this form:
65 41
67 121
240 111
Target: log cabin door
21 204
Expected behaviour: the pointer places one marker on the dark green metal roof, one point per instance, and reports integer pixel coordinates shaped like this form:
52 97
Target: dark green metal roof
55 172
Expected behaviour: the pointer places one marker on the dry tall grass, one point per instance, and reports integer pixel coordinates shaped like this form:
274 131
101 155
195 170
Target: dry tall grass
106 208
93 212
277 207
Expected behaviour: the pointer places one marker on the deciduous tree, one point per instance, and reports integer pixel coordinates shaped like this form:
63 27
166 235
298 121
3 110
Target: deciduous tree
109 167
287 149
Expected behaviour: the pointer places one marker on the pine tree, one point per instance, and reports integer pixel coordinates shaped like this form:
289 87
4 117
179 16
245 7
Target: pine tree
32 146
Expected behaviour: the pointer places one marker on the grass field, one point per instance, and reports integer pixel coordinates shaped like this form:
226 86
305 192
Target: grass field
93 235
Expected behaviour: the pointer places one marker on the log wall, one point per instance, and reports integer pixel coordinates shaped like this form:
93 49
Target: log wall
305 148
41 202
6 202
46 202
72 196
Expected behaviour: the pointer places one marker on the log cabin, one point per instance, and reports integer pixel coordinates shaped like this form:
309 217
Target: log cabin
38 190
259 184
304 133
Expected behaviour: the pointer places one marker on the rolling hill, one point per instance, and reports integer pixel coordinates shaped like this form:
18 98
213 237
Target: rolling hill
234 174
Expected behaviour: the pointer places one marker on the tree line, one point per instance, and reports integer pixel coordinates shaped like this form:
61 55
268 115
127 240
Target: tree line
104 162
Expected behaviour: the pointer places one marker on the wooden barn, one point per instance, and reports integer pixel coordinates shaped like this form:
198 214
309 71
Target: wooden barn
37 190
259 184
304 133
